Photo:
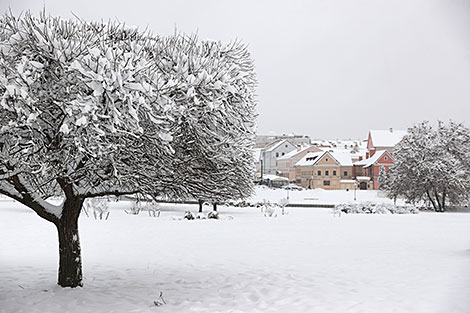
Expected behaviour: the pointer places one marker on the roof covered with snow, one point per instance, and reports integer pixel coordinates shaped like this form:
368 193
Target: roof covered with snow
343 158
274 145
310 158
273 177
294 152
372 160
386 138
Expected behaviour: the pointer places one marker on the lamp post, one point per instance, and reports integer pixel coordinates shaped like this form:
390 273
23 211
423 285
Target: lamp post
355 184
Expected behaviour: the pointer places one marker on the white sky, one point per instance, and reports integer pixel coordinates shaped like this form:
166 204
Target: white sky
328 69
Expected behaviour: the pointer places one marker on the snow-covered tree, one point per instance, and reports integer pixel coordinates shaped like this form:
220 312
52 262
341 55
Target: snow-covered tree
220 104
91 110
432 164
382 177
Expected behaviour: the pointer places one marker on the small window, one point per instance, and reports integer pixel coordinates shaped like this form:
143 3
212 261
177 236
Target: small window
286 146
326 183
345 173
334 173
327 173
326 160
283 153
277 154
319 173
386 158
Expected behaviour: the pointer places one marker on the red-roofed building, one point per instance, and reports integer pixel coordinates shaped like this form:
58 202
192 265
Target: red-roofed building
379 140
371 168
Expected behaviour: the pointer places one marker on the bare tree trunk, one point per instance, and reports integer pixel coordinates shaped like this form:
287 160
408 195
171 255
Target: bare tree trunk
200 205
214 205
443 200
70 260
438 202
432 201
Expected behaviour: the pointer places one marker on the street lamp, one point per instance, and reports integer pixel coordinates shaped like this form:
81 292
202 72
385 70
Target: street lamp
355 184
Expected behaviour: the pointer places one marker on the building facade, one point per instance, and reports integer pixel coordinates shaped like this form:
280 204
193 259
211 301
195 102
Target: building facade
285 163
326 170
270 154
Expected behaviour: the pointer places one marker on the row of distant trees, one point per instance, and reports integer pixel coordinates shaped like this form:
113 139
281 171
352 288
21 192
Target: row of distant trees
98 109
431 164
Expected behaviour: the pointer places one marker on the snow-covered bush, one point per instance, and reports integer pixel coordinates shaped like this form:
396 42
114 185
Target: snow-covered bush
188 215
282 204
138 206
213 215
201 216
373 208
98 207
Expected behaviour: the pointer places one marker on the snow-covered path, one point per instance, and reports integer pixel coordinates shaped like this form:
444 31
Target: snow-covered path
306 261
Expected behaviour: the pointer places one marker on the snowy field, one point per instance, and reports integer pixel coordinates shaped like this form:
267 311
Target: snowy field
318 196
306 261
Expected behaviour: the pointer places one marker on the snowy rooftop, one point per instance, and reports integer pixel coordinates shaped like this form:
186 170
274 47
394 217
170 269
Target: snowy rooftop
386 138
343 158
294 152
370 161
274 145
274 177
310 158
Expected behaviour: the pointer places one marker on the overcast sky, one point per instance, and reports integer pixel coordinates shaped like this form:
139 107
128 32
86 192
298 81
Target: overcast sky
328 69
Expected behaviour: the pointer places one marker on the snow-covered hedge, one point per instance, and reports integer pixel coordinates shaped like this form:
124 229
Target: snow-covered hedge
374 208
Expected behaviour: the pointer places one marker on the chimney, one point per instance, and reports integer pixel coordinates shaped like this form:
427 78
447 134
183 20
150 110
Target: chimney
391 130
298 147
360 158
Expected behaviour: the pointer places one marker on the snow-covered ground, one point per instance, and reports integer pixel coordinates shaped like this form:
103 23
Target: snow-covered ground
306 261
319 196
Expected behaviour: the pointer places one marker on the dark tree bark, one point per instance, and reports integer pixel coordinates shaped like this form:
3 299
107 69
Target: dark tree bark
443 201
432 201
439 205
200 205
70 259
214 205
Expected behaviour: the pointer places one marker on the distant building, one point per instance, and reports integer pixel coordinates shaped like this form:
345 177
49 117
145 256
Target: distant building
379 140
257 152
326 170
285 163
264 140
270 153
367 171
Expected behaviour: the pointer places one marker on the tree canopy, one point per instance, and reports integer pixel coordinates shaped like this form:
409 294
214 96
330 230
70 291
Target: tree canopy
92 109
432 163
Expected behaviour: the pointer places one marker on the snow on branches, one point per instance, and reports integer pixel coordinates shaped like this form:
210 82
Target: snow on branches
432 164
105 108
96 109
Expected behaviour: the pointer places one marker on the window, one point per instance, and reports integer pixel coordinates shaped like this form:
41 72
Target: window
326 183
327 173
326 160
286 146
345 173
283 153
319 173
385 158
334 173
277 154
